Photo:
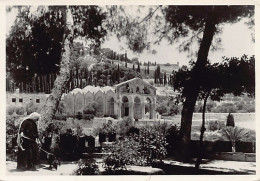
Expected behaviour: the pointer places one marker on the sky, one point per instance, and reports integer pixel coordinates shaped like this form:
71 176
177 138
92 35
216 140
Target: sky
236 41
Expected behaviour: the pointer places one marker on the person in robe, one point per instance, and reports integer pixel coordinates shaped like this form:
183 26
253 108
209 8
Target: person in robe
27 141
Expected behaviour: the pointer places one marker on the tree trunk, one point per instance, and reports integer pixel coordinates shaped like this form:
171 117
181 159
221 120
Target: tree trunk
52 102
194 85
202 130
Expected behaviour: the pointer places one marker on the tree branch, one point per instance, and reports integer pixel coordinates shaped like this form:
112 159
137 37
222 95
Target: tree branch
150 15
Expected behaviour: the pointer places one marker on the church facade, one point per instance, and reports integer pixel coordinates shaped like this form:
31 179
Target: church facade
134 98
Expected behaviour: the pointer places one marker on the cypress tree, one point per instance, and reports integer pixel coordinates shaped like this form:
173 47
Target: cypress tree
138 67
230 120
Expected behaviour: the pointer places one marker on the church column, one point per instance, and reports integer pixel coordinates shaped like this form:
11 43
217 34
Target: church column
153 111
143 109
131 109
119 109
105 104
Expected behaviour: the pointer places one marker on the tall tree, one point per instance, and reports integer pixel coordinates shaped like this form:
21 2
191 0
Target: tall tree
193 24
70 22
138 67
217 82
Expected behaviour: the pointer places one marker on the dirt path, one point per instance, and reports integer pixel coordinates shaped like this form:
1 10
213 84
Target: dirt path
63 169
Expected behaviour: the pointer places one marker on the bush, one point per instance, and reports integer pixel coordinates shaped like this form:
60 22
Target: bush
216 125
79 115
69 146
90 109
161 109
137 149
12 126
60 117
87 167
230 120
107 128
32 107
173 110
124 125
124 152
19 110
88 116
173 138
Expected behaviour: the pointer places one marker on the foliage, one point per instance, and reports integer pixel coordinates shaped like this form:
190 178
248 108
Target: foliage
215 125
20 110
87 167
12 126
32 107
107 128
79 115
125 125
161 109
123 152
234 134
217 78
89 111
137 149
91 108
173 138
166 106
209 107
230 120
36 37
110 74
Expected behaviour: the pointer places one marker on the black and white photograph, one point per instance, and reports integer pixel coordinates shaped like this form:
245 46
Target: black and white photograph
152 90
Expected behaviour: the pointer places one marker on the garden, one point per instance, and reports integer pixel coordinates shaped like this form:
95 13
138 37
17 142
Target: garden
123 147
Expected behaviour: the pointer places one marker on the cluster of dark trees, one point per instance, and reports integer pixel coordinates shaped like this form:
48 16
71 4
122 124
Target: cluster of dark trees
149 63
37 83
162 78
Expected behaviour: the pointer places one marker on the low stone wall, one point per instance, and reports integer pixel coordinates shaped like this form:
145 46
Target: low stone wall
237 156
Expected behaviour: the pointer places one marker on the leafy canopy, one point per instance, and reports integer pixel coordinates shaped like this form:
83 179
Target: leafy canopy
35 41
233 75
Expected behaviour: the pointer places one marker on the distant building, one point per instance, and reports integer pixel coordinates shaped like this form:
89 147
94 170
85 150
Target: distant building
21 99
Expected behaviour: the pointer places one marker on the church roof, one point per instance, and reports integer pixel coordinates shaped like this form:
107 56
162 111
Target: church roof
92 89
134 80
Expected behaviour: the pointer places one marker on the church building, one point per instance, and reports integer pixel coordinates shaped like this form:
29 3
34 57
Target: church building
134 98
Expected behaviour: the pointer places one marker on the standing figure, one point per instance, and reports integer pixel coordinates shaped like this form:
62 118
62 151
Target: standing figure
27 141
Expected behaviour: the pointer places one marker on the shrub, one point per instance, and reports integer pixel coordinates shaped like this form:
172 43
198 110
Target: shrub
234 134
15 109
107 128
173 110
152 142
87 167
88 116
32 107
137 149
90 109
79 115
123 152
12 126
124 125
230 120
216 125
172 138
161 109
60 117
133 130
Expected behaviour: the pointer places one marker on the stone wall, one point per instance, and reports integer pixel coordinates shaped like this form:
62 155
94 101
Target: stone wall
21 99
